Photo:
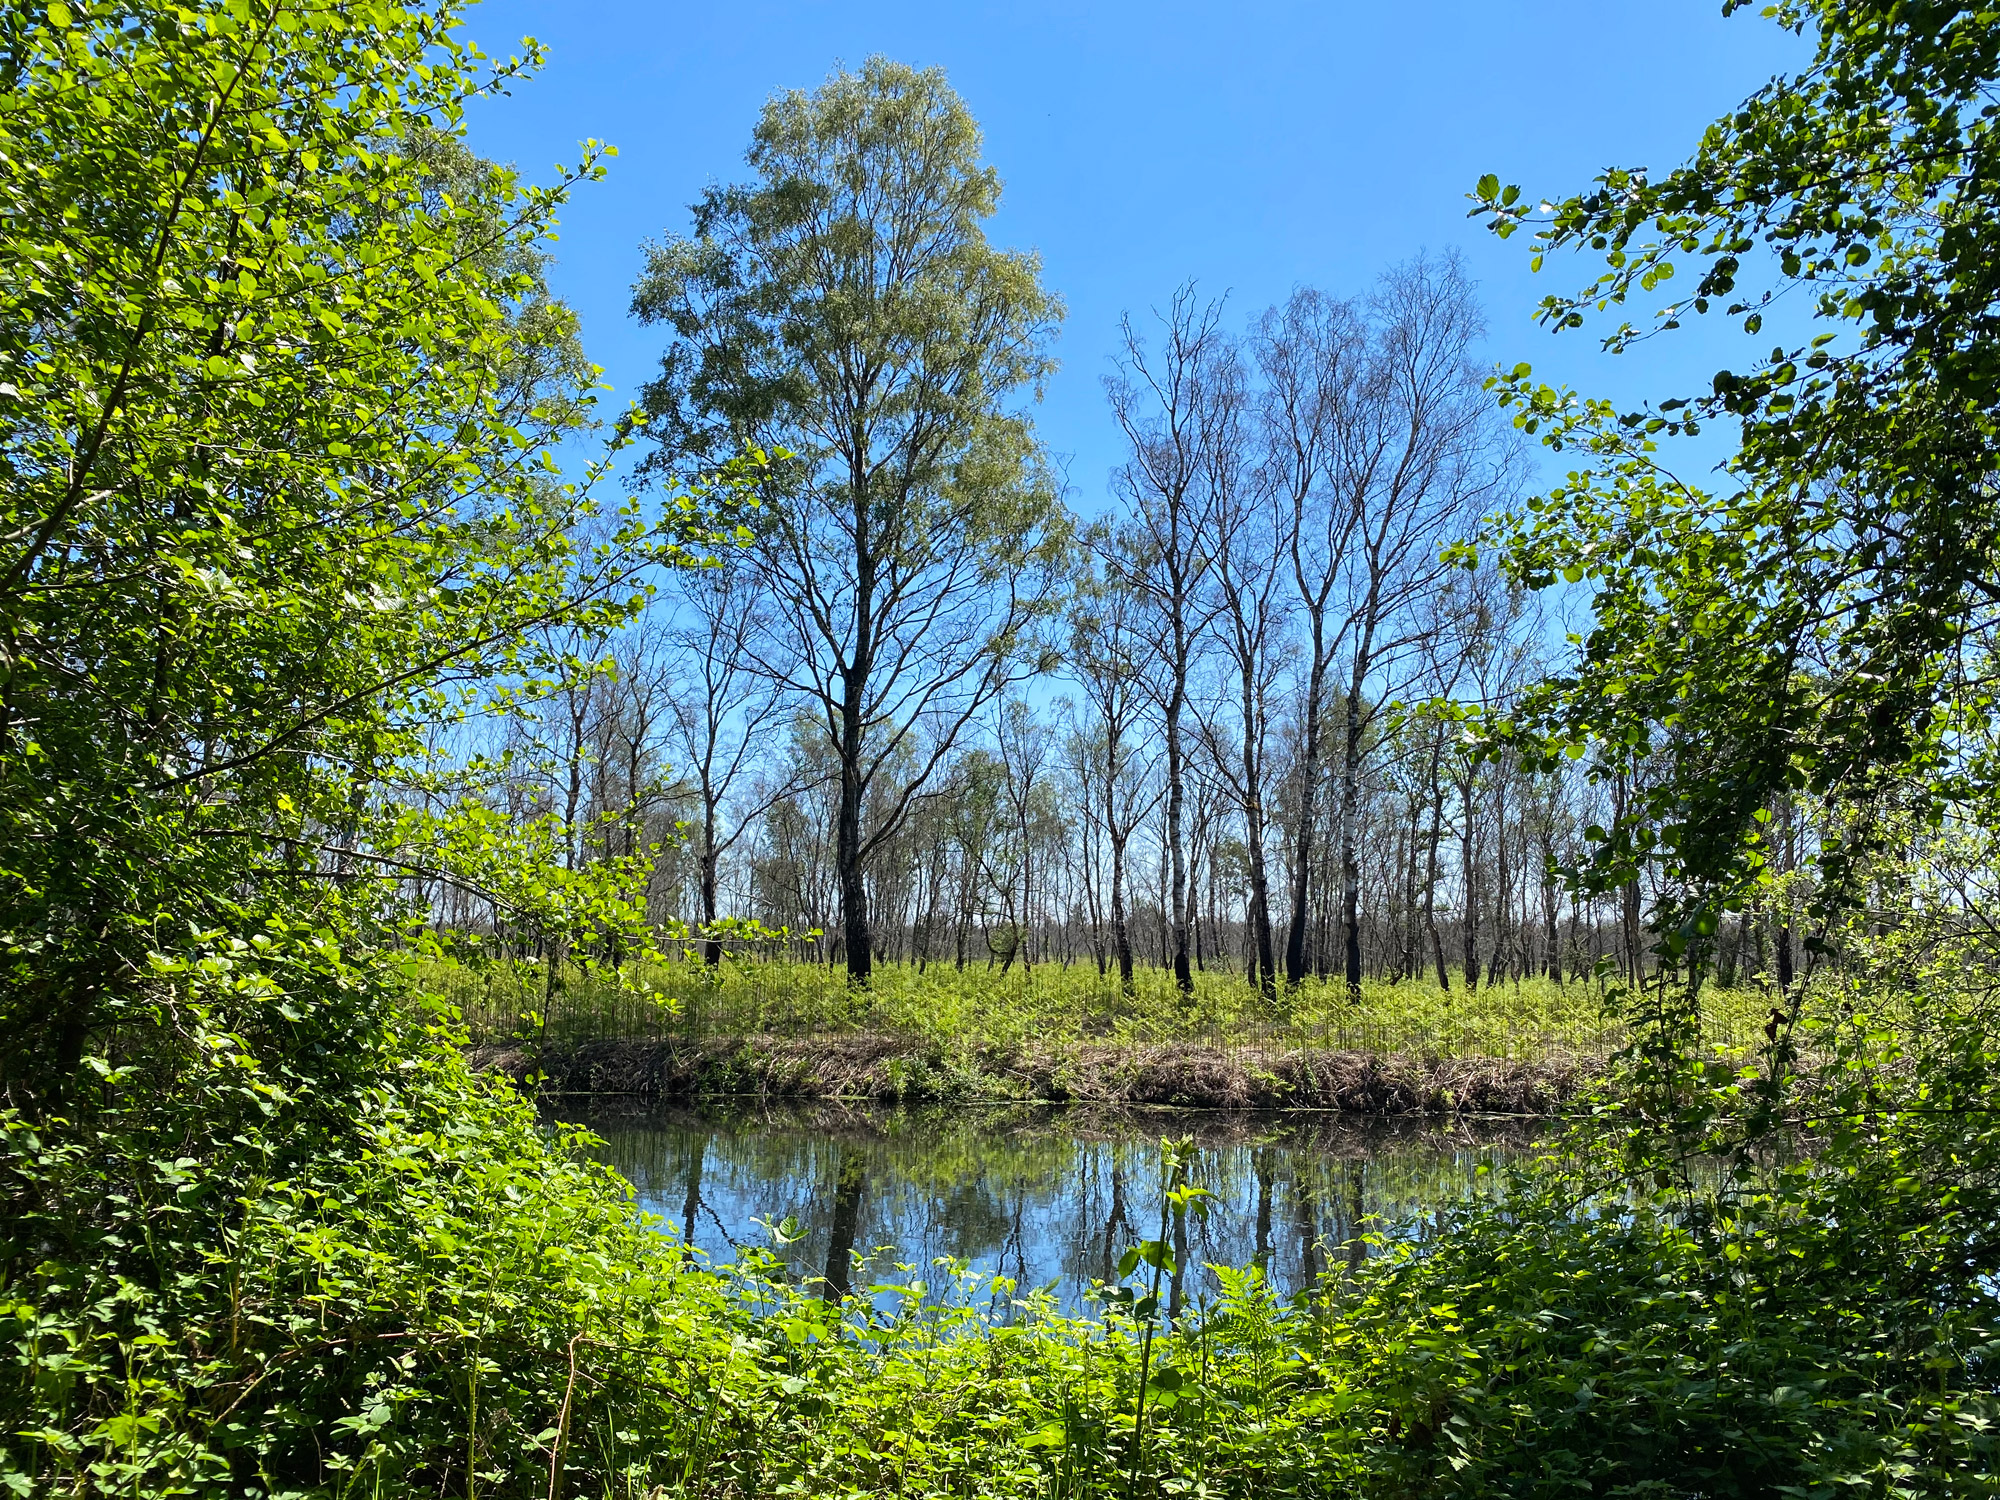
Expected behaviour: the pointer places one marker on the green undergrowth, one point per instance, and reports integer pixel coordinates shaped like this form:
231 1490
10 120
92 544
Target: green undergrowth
1531 1020
388 1276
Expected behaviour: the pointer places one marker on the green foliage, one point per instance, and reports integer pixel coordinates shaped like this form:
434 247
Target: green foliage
1822 629
436 1281
275 386
277 379
962 1010
862 239
280 1280
846 310
1793 678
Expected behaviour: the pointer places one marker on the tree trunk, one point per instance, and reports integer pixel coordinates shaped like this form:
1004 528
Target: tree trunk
1265 977
1410 945
1551 913
847 863
711 948
1295 938
1431 861
1502 888
1469 875
847 855
1350 836
1177 894
1630 958
1121 930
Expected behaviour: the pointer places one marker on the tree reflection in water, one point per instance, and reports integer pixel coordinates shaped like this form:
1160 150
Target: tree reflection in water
1046 1196
847 1187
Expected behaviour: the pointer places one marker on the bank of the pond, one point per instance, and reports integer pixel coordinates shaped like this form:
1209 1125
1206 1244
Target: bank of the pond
898 1070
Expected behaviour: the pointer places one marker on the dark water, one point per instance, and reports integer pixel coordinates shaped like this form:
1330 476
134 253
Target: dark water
1048 1197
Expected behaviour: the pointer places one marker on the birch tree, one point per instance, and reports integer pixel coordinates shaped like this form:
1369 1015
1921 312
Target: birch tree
1159 399
1428 456
1311 355
846 309
1243 583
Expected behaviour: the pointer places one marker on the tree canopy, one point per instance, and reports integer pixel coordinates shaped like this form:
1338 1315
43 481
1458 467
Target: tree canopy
278 377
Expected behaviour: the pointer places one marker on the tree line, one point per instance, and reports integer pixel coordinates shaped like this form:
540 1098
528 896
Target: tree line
925 711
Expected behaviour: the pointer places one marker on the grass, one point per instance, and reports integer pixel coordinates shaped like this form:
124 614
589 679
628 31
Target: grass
1049 1006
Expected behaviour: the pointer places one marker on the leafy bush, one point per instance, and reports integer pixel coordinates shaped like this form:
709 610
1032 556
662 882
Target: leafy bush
379 1272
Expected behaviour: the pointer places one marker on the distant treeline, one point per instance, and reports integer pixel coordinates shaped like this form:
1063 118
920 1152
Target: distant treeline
1224 725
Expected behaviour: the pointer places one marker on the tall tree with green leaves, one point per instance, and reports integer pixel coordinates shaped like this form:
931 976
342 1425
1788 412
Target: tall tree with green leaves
279 380
1788 683
844 308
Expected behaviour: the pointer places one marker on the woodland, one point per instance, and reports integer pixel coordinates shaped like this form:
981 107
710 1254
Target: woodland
1387 702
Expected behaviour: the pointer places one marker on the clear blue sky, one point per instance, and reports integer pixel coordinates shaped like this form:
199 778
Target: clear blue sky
1251 147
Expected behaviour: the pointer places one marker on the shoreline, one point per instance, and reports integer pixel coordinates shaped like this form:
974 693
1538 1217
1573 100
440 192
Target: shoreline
875 1069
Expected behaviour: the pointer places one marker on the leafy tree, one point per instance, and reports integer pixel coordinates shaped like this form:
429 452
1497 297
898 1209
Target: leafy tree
846 309
1819 624
1796 665
278 370
278 376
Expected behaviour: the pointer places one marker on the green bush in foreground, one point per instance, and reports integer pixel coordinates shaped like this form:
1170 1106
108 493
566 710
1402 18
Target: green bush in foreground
381 1274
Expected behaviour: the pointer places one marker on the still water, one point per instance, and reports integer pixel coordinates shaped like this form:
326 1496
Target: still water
1049 1197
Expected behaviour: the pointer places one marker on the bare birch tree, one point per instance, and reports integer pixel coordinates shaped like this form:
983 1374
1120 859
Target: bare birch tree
1160 401
721 720
1311 357
1431 451
1242 585
1108 656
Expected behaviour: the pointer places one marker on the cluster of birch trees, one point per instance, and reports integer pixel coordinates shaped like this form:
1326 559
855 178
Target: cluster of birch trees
1235 741
927 711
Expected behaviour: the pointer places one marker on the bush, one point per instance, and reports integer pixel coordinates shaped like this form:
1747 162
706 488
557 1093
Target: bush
374 1271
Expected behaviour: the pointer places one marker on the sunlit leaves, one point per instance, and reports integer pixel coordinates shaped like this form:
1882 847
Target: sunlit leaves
1809 624
278 387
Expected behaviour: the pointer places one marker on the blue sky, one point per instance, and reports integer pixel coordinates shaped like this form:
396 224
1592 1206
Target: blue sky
1252 147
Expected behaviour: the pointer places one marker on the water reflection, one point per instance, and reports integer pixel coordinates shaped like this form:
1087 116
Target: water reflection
1049 1197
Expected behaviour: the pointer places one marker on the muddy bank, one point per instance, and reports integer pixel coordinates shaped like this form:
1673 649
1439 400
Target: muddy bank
895 1070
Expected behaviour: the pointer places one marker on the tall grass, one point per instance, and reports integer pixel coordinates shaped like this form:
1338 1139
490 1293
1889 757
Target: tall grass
1532 1019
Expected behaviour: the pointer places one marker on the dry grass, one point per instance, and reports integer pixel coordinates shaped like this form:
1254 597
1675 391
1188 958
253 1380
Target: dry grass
882 1069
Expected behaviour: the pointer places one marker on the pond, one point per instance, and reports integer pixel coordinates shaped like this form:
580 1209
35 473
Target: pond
1050 1197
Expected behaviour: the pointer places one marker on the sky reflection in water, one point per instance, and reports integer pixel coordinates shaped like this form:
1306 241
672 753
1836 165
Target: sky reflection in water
1045 1195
